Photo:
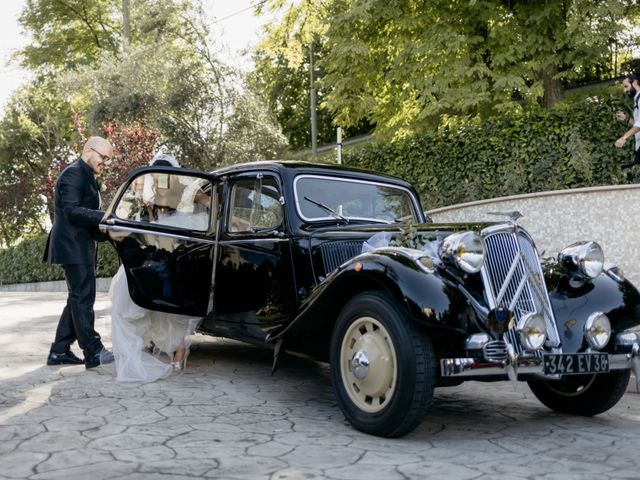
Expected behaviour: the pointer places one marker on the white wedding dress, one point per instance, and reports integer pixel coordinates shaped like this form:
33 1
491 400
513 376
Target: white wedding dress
144 341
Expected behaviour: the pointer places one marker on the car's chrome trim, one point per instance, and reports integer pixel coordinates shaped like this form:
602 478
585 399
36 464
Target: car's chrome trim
186 238
473 367
484 311
513 278
217 213
253 240
495 351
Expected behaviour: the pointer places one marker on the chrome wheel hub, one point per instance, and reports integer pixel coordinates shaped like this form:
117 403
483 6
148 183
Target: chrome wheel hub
360 365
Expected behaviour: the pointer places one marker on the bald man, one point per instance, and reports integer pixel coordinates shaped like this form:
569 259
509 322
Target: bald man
72 244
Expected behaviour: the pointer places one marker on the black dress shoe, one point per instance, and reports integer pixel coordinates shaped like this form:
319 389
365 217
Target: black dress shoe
102 357
67 358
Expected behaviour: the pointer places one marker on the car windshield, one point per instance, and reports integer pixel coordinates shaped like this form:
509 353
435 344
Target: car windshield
330 198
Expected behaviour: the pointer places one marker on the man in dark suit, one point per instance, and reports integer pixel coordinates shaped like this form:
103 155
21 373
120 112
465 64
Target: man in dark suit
72 244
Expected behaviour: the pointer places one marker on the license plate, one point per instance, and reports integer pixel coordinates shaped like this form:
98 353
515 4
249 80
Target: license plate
576 363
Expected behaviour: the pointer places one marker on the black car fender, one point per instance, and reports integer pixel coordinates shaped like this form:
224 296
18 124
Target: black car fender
574 299
427 298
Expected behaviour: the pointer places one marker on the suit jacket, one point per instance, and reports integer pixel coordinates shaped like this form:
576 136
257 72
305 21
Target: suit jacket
72 239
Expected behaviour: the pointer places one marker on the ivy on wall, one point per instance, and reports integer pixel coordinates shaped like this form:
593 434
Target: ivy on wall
569 147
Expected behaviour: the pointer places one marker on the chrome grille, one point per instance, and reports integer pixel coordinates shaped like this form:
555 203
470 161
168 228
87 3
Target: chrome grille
513 279
495 351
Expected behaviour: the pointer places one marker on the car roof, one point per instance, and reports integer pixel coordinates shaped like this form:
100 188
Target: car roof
296 167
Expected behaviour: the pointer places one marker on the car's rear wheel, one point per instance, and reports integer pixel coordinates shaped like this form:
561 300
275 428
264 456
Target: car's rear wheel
582 394
382 366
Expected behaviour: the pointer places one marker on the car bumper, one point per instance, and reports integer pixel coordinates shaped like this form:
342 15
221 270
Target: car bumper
521 365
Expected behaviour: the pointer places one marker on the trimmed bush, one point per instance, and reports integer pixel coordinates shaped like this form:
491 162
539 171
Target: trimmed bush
23 263
569 147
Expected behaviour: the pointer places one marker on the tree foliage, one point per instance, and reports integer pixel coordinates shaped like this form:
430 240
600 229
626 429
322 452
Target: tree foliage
35 130
402 63
171 78
70 33
252 133
285 86
282 70
407 66
166 89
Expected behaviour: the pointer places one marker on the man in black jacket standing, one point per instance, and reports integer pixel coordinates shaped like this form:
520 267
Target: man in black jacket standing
72 244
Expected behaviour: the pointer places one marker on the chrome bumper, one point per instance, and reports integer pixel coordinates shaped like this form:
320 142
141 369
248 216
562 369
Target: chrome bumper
472 367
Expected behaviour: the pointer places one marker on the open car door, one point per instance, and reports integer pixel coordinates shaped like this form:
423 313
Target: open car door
162 222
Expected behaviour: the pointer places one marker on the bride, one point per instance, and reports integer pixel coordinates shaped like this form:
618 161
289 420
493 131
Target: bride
147 345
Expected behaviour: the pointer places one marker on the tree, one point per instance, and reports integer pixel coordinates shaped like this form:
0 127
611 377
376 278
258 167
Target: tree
70 33
286 90
406 65
282 70
67 34
252 131
40 135
134 144
168 79
173 82
35 130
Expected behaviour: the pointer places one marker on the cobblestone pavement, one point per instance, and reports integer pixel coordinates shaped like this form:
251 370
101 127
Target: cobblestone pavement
226 417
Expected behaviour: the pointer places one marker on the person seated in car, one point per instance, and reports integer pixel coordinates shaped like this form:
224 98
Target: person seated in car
162 192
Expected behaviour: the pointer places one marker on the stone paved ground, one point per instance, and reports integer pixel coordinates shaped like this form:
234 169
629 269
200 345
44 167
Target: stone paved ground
225 417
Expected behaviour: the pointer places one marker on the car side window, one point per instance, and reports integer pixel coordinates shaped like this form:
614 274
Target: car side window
167 199
255 205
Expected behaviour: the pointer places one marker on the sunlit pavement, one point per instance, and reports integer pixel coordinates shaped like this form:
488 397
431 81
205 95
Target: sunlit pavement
226 417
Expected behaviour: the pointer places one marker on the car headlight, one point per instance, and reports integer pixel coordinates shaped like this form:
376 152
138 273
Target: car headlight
585 258
465 249
597 330
532 331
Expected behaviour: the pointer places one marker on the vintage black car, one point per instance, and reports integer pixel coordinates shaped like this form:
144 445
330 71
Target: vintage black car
343 266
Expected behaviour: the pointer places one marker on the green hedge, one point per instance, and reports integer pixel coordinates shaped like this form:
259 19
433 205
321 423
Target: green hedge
569 147
23 263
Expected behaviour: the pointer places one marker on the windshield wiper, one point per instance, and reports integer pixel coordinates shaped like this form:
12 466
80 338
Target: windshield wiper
327 209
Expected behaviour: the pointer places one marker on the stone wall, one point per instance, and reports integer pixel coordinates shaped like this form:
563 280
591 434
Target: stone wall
608 215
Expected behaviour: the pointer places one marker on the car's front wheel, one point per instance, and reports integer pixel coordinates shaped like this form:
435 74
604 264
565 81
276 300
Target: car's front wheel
582 394
382 366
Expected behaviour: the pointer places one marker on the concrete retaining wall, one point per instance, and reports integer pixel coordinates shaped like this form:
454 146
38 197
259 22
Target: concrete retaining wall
608 215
